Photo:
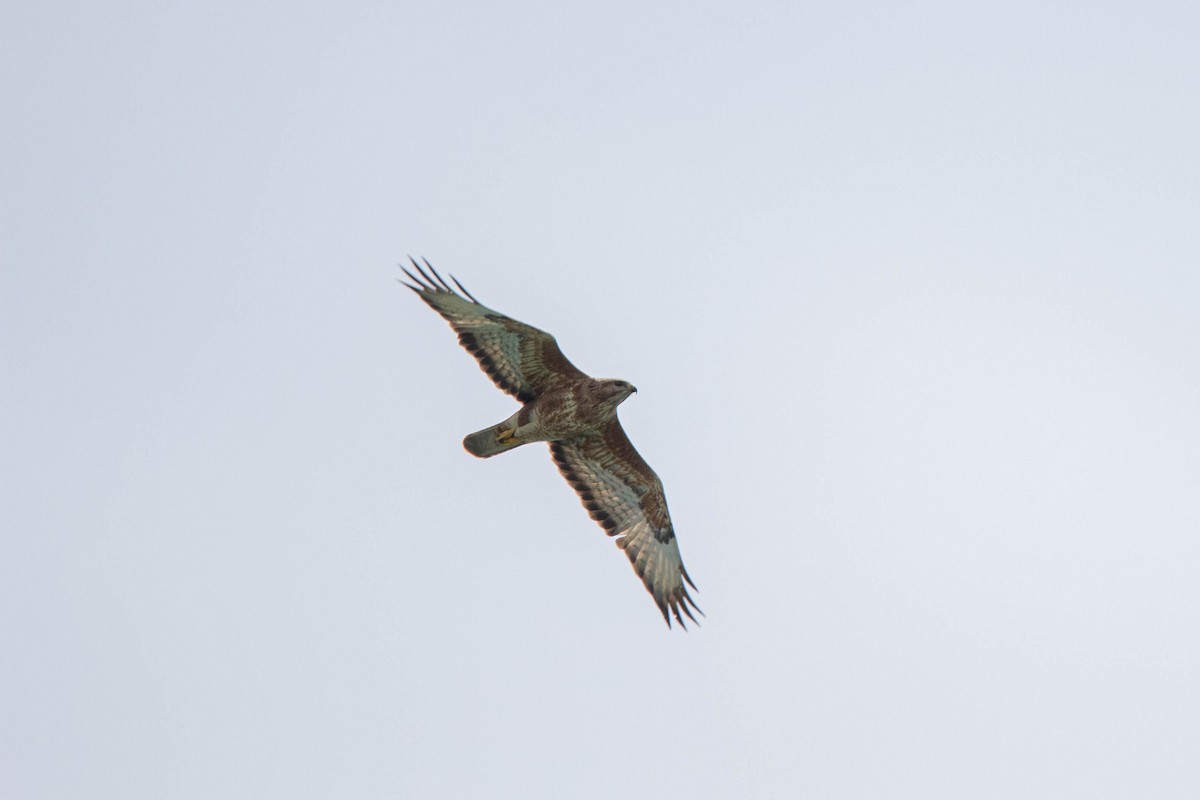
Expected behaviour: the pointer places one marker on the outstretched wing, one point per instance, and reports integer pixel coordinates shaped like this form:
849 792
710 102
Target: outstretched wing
519 358
623 494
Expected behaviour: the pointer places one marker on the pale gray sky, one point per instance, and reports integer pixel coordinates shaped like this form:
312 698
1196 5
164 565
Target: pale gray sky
910 293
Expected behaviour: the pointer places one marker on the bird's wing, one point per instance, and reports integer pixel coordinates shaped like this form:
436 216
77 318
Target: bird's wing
623 494
519 358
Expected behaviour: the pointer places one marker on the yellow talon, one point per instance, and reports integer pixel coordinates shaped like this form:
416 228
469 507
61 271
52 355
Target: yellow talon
506 437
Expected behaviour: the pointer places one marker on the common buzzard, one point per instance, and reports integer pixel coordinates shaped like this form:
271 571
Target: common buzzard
577 415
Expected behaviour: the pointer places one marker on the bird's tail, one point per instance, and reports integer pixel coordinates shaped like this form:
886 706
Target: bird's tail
490 441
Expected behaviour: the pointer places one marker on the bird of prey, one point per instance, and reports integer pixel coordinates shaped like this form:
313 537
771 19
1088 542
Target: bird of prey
577 415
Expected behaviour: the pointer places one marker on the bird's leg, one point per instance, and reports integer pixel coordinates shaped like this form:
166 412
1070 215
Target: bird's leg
507 437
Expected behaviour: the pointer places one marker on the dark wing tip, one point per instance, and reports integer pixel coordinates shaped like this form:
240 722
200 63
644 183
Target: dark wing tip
463 289
423 287
431 280
679 619
433 287
440 279
683 601
687 578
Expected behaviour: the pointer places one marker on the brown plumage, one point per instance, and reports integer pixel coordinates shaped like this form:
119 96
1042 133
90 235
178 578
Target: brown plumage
577 415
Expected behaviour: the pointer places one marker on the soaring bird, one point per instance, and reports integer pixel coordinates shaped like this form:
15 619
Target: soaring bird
577 415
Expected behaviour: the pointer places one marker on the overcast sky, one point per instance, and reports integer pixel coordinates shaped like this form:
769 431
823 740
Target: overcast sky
910 292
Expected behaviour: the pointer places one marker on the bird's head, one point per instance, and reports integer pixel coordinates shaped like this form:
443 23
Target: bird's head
615 391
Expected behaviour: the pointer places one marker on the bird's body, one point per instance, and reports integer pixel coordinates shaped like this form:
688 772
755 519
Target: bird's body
581 408
577 415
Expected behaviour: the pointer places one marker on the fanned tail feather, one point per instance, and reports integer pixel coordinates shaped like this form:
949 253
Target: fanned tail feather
488 442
